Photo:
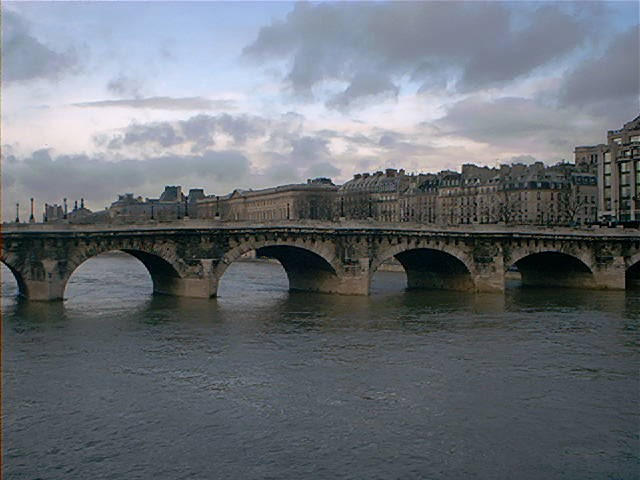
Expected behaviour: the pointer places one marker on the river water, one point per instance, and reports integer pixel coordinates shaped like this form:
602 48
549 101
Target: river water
260 383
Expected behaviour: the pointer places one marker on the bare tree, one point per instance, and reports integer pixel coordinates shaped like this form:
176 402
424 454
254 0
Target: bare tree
570 203
505 208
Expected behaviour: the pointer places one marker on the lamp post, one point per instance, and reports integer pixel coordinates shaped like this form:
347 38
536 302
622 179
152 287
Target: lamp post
17 213
31 217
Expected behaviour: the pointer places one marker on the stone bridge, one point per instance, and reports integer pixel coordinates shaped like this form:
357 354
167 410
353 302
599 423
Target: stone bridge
188 258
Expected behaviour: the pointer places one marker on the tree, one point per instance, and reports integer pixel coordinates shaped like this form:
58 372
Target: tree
570 203
504 208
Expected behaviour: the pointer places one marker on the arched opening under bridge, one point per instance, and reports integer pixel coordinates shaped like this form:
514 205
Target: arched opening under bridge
123 273
111 275
632 276
431 269
552 269
277 268
11 282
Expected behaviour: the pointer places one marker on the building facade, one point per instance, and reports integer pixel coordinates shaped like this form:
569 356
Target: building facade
618 173
314 200
511 194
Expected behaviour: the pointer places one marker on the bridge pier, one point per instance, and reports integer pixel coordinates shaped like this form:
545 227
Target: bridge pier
199 281
43 290
610 274
185 287
355 279
492 282
44 281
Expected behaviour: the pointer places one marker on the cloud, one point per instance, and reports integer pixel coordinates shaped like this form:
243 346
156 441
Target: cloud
612 77
162 103
197 131
521 124
159 133
364 88
481 44
24 57
308 149
49 178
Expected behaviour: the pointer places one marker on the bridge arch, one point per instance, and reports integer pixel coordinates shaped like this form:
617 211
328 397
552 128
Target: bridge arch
17 275
310 268
164 273
430 267
553 268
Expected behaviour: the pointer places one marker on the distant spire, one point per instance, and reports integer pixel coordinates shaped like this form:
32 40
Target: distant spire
75 205
65 208
82 203
17 213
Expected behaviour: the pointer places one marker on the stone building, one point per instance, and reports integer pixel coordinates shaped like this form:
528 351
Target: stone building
53 213
378 196
512 194
80 214
171 205
587 158
314 200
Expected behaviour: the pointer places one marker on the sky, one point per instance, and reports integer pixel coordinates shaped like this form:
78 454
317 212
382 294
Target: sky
99 99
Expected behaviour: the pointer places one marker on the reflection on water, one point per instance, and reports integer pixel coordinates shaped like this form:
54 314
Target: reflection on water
260 383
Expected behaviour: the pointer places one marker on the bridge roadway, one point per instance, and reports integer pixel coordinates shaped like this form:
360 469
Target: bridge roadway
189 257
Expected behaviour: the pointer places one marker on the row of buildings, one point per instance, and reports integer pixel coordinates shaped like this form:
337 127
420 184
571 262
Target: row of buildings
601 185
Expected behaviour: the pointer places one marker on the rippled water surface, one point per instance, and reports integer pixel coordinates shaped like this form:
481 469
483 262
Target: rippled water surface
260 383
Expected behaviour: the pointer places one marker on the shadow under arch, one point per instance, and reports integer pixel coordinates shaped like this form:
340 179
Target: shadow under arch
22 287
432 269
553 269
632 276
306 270
163 274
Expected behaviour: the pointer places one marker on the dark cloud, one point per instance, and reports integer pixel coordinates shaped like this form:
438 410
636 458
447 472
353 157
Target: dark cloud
197 131
526 125
160 133
483 44
162 103
25 57
50 178
507 118
240 127
308 149
510 53
365 87
612 78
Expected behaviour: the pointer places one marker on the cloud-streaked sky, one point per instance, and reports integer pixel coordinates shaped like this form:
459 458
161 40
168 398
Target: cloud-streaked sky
106 98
